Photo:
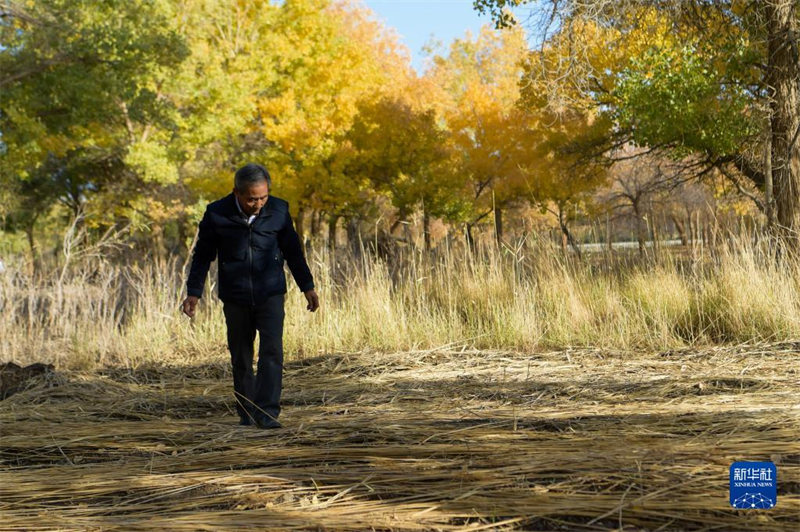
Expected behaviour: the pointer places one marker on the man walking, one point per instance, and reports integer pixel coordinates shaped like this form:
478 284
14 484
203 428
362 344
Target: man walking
251 233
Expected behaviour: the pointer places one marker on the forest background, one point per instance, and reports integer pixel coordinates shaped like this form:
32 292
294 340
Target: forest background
489 200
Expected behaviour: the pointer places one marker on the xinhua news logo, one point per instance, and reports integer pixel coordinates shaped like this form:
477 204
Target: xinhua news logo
754 485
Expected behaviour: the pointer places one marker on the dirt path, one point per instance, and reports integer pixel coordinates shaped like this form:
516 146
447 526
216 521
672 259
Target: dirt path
568 440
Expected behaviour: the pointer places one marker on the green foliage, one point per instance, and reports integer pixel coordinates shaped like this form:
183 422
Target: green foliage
151 162
233 46
81 84
674 97
70 63
498 9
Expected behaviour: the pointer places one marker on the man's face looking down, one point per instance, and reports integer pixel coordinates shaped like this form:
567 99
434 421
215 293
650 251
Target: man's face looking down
253 197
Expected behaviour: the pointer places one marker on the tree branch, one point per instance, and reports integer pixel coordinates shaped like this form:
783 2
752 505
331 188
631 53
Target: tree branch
758 201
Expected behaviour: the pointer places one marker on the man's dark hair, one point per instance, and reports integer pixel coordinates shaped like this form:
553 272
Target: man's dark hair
249 175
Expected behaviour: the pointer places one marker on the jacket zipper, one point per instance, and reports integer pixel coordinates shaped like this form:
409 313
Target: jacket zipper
250 259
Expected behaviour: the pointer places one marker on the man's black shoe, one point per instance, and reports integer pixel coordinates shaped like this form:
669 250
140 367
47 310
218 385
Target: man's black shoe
265 422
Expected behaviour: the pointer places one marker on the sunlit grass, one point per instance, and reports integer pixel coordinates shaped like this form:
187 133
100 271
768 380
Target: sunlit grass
103 314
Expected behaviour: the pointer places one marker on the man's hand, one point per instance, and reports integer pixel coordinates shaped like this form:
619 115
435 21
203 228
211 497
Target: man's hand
189 305
313 300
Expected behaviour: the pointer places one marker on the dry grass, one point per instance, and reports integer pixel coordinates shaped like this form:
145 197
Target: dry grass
100 314
451 438
451 401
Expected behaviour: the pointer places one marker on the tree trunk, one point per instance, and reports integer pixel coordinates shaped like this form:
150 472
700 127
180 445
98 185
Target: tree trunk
566 232
470 238
316 221
426 227
35 265
698 227
641 230
769 194
498 224
654 233
332 220
183 235
681 228
783 72
299 226
353 239
407 235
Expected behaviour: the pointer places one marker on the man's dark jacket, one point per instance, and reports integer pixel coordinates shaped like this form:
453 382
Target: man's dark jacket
250 256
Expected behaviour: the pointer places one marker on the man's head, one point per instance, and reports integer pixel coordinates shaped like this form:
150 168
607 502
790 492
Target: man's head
251 186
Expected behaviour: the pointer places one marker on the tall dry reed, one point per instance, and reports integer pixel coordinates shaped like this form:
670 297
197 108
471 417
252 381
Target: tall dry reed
99 313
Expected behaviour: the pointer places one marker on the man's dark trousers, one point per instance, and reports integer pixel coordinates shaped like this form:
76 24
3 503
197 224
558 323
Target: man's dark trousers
257 395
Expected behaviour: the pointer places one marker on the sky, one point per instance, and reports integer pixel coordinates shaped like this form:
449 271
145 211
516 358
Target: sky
416 20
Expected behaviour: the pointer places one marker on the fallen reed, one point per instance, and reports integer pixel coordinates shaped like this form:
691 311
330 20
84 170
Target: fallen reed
437 439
